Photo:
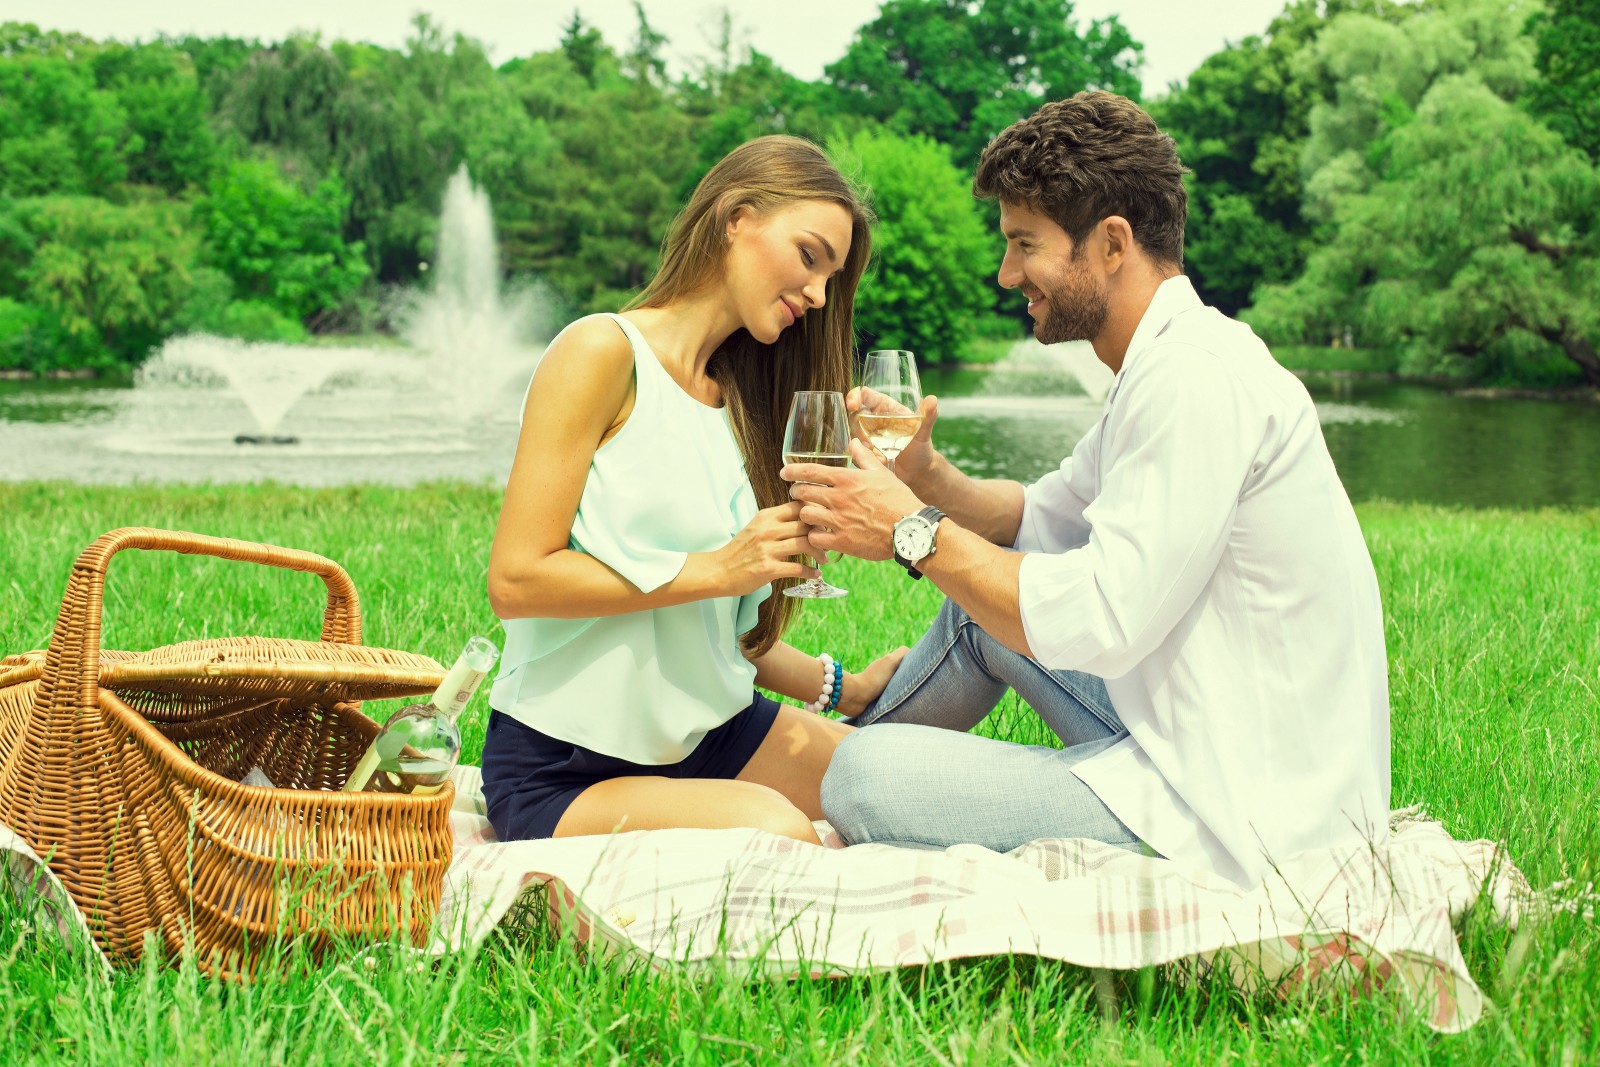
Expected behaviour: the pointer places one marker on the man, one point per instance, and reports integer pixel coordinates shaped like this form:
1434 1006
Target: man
1187 602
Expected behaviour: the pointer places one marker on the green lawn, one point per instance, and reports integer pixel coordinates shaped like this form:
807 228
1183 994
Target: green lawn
1321 359
1493 622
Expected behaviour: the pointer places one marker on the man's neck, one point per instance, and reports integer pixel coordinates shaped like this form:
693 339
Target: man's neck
1130 298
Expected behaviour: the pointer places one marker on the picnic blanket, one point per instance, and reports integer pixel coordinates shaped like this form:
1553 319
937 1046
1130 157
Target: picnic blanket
1351 920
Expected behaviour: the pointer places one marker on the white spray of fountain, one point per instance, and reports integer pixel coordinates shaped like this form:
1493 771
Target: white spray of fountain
475 335
268 378
469 342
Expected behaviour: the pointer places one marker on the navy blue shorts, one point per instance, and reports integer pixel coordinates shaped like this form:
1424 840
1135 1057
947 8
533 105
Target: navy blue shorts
530 779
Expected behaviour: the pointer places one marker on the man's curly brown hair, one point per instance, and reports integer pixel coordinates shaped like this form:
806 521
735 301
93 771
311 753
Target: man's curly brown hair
1080 160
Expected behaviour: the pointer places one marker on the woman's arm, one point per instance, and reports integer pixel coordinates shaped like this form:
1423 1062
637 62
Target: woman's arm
582 394
785 669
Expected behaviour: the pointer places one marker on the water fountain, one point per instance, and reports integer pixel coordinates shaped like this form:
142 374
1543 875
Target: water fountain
1065 383
475 335
467 341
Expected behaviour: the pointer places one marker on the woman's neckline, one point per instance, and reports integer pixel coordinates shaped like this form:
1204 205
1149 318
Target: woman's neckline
651 349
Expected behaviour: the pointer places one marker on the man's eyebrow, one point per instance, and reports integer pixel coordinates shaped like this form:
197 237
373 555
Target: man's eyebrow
833 257
1016 233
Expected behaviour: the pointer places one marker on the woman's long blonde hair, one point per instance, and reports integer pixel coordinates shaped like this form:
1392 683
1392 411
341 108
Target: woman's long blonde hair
758 380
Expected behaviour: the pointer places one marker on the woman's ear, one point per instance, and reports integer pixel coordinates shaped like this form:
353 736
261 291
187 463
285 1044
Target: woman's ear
740 216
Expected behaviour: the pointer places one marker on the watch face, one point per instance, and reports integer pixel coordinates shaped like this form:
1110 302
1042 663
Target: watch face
913 537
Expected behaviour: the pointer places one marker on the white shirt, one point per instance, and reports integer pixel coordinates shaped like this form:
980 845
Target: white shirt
1198 552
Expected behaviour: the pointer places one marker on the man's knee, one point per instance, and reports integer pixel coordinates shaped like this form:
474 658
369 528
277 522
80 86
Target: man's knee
860 779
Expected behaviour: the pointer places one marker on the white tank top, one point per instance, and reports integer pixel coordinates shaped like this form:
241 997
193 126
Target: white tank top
648 685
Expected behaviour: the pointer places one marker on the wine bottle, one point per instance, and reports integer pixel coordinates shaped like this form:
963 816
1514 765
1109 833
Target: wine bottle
420 744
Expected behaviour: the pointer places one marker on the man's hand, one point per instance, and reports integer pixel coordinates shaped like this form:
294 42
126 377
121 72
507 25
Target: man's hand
917 457
851 511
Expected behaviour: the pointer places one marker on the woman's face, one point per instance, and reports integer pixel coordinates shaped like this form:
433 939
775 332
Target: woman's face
779 263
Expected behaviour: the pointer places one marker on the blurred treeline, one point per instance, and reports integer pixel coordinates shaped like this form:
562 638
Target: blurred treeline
1420 175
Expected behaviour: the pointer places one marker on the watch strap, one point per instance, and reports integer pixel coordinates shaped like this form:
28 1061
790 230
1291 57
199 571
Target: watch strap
932 515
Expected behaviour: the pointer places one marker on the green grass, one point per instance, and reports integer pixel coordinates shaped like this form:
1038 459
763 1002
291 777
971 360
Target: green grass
1493 624
1320 359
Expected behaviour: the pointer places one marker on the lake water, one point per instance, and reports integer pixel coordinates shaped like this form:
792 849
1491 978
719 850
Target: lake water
1389 441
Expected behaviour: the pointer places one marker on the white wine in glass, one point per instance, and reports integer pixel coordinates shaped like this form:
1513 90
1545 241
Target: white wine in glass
818 432
891 401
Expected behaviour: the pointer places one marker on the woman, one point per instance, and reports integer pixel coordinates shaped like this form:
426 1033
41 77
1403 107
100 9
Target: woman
631 564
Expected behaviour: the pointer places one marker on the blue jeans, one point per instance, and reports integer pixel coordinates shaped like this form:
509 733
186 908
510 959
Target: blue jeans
914 776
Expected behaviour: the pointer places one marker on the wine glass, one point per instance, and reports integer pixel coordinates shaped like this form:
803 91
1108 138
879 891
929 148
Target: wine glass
891 401
818 432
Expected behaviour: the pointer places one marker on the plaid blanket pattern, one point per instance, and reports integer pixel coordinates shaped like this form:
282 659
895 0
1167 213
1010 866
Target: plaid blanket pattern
1339 922
1345 922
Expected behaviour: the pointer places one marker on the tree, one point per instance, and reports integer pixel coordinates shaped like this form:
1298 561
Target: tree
1378 69
1477 249
932 250
959 71
1567 96
1239 123
607 181
754 98
59 132
278 243
172 146
393 125
111 279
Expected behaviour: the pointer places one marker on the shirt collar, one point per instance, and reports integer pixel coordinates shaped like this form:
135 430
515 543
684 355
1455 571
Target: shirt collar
1172 298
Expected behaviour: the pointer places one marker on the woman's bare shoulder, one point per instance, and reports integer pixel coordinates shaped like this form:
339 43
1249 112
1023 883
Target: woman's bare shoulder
596 342
587 368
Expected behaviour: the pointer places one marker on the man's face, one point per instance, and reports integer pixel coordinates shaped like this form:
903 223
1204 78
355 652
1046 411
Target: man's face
1066 298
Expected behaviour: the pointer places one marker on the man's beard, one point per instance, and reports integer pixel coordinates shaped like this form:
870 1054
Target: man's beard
1077 311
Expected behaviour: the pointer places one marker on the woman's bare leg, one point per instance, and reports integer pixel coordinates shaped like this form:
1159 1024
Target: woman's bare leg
648 802
778 790
795 756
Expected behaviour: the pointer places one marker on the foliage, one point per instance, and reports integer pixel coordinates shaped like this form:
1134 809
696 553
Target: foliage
960 72
59 132
31 341
81 117
930 244
1567 97
1239 123
608 184
279 244
1377 71
1476 249
171 145
113 278
300 176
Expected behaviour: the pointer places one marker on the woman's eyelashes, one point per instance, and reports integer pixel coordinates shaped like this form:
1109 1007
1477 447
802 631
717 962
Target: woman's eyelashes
806 257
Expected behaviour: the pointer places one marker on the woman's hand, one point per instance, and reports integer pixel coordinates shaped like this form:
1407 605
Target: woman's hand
860 690
764 550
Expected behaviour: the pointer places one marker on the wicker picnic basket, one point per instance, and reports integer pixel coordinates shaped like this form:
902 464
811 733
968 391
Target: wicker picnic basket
123 769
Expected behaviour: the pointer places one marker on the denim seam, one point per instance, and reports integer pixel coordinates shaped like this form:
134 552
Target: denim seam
1073 692
934 663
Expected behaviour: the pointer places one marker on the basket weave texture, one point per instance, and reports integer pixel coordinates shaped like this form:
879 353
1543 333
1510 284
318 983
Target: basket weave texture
124 768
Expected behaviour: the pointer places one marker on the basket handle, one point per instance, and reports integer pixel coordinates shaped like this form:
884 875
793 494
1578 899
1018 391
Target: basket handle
74 653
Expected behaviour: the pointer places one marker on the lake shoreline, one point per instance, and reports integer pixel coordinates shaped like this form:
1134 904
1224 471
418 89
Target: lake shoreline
1573 394
1578 394
17 374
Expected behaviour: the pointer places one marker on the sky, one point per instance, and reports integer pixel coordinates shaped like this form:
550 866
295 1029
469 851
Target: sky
802 36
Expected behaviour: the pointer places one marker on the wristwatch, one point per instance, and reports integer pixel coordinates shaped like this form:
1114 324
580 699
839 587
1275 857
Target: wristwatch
913 538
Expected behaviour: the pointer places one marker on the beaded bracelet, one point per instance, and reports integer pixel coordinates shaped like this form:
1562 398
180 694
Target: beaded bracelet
832 685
